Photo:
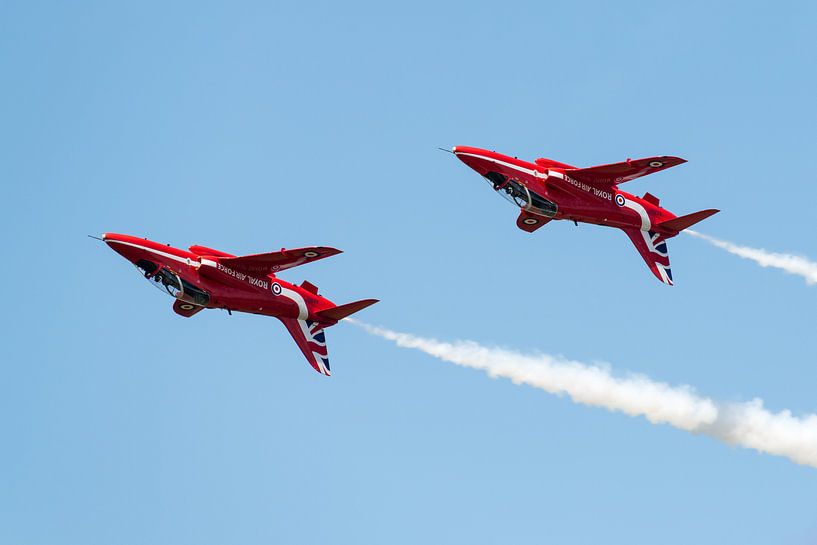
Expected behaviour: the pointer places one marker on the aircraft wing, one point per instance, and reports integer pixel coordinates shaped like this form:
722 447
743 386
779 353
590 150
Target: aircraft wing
530 222
185 309
653 248
273 262
617 173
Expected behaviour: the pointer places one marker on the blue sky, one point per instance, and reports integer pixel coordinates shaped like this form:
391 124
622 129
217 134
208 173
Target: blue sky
251 126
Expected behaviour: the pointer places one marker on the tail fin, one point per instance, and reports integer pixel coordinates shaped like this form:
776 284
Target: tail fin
653 249
310 338
338 313
680 223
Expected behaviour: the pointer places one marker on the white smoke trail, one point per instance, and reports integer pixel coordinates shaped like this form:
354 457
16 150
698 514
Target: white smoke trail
792 264
747 424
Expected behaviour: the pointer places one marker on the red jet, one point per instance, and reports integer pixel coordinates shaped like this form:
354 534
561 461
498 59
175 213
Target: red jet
205 278
546 190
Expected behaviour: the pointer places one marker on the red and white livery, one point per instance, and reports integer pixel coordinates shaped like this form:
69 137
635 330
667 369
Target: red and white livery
547 190
200 278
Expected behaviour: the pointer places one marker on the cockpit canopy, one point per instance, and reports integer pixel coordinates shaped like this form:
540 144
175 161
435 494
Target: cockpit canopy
519 195
171 283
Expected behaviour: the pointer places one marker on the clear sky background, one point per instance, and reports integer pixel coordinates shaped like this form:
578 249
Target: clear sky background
248 126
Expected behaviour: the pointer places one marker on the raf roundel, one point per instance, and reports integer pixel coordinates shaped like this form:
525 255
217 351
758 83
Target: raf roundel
656 164
620 200
310 254
186 307
276 288
530 221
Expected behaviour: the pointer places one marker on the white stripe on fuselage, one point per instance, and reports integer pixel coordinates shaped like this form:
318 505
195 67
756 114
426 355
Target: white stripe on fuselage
500 162
185 260
295 297
645 221
642 212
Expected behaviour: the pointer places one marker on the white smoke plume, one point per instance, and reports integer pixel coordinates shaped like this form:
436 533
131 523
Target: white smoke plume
746 424
792 264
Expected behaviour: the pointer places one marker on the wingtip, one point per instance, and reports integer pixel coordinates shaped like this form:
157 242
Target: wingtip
673 161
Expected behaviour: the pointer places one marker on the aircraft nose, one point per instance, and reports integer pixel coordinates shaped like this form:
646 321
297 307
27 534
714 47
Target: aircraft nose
473 157
111 240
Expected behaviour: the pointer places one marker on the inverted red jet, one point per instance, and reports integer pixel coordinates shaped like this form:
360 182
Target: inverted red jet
547 190
205 278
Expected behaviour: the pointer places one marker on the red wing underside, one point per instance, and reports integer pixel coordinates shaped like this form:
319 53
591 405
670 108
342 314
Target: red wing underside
185 309
310 338
653 248
617 173
530 222
273 262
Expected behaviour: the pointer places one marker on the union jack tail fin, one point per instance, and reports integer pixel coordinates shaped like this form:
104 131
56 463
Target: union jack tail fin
653 249
311 339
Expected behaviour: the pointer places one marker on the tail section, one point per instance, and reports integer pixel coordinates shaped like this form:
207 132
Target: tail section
311 339
653 249
338 313
680 223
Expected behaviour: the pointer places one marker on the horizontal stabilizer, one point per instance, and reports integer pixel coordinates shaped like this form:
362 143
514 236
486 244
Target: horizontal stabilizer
338 313
616 173
678 224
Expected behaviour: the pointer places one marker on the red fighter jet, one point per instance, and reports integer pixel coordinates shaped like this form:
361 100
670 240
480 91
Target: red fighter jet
205 278
546 190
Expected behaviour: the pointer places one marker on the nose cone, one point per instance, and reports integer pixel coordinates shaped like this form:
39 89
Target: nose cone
111 240
119 244
476 158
